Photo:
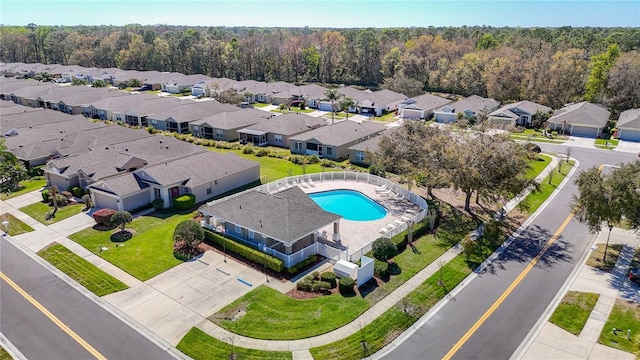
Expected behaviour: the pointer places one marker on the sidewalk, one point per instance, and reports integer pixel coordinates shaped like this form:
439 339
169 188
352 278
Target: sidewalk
550 341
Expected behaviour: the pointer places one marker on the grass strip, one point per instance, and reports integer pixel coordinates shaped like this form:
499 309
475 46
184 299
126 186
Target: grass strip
16 227
198 345
82 271
26 186
534 200
624 316
39 211
574 310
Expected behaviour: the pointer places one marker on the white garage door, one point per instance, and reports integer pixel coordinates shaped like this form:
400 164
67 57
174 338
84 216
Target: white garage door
630 135
104 201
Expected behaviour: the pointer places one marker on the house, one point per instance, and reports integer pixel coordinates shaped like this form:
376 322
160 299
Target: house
205 174
212 87
517 114
309 94
113 108
283 225
333 141
138 113
380 102
582 119
358 152
629 125
468 108
346 91
178 118
181 82
421 107
224 126
278 130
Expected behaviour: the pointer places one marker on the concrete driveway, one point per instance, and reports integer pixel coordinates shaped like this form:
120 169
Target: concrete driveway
628 146
178 299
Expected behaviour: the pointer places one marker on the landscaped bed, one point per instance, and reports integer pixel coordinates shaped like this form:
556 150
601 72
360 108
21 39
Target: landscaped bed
574 310
596 256
16 227
40 210
82 271
148 253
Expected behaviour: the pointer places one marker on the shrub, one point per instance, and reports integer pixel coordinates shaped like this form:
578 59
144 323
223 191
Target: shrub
77 191
66 194
184 202
158 204
246 252
261 152
327 163
36 171
45 196
304 285
296 159
381 270
186 238
121 218
383 249
247 149
313 159
330 278
103 216
61 199
302 264
320 286
345 285
143 207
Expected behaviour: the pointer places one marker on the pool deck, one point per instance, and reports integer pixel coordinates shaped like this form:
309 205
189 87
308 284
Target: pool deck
355 235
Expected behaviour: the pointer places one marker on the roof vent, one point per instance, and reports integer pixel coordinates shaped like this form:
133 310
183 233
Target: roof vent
106 148
126 149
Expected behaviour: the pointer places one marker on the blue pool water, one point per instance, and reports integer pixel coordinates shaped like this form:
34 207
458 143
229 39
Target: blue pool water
349 204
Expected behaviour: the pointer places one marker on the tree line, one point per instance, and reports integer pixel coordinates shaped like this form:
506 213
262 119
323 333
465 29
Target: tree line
551 66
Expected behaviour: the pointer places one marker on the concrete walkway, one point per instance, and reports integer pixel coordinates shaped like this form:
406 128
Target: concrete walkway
551 342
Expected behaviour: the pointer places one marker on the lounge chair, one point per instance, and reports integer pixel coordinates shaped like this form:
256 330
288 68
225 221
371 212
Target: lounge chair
398 222
406 217
381 188
310 181
385 193
383 230
303 183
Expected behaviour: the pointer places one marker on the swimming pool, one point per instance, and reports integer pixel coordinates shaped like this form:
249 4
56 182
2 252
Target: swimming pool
351 205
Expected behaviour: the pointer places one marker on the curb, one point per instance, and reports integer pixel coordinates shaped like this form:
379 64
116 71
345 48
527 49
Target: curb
12 350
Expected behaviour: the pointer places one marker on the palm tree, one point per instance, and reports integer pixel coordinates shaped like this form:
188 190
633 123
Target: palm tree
347 103
333 95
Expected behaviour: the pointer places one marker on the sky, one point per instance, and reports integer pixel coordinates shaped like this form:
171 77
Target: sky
324 14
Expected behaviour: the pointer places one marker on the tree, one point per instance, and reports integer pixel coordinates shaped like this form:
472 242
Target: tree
99 84
383 249
346 103
332 95
11 169
134 83
598 76
53 195
121 219
187 236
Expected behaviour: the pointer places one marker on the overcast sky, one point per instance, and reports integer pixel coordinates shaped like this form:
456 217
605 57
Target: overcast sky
334 13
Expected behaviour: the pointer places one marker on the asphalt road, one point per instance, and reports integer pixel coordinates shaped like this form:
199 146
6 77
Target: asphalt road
38 337
505 329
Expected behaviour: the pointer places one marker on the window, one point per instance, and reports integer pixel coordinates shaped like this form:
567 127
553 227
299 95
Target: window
219 133
208 191
360 156
238 229
156 193
297 145
251 235
187 190
277 138
329 150
154 122
195 127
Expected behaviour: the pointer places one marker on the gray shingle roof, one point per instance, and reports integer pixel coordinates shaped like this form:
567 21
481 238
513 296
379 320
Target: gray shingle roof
429 102
286 216
581 114
474 103
511 110
288 124
234 120
191 111
371 145
309 91
386 96
341 133
629 119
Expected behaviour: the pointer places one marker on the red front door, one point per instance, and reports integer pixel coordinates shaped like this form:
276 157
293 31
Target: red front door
175 192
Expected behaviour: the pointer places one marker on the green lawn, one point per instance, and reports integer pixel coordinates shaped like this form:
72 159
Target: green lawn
200 346
394 321
574 310
535 135
538 165
16 227
4 355
624 316
82 271
39 211
260 105
25 187
595 259
533 201
273 315
148 253
606 144
390 117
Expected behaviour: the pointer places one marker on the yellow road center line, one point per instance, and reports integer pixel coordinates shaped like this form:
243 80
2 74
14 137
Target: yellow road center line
53 318
507 292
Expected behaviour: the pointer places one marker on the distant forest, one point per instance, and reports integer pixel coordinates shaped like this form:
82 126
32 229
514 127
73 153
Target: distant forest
552 66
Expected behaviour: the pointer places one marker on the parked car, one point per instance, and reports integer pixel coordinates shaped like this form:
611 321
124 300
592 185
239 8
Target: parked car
634 275
144 87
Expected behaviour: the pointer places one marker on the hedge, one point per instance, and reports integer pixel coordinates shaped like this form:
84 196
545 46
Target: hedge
345 285
76 191
330 278
103 216
245 251
295 268
184 202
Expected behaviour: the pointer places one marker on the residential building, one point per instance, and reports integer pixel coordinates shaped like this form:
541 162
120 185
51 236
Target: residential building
278 130
517 114
629 125
468 108
581 119
224 126
421 107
